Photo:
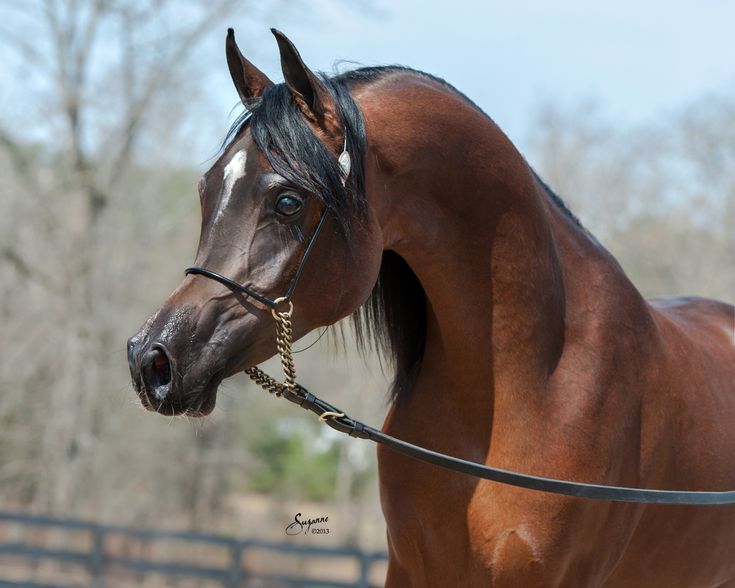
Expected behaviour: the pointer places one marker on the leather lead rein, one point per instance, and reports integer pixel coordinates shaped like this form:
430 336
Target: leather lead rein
339 421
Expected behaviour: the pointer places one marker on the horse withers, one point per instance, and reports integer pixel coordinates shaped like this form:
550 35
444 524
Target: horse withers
516 338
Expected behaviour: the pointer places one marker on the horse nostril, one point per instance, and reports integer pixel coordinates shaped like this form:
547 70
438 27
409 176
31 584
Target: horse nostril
156 370
161 369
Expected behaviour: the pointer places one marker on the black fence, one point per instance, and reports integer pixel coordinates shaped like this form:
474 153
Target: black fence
108 556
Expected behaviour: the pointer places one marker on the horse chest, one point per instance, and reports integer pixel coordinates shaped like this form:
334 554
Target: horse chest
448 529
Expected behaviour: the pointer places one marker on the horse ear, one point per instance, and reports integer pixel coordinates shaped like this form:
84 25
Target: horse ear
249 81
310 94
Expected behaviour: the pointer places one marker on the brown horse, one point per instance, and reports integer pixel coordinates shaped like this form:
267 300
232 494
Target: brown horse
517 339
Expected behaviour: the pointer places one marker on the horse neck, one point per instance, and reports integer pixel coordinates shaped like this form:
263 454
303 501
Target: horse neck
495 256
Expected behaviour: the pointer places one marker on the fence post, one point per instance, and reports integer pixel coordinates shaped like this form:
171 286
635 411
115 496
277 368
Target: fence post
365 561
97 559
236 549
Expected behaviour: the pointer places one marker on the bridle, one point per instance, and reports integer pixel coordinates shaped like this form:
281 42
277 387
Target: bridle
339 421
272 302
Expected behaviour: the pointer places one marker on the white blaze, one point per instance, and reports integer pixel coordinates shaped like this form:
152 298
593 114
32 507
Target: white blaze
234 170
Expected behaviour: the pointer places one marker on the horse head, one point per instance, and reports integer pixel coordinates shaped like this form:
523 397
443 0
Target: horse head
284 219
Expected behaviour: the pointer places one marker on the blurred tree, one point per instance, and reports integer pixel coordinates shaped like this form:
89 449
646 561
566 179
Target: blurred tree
109 81
92 225
290 463
660 197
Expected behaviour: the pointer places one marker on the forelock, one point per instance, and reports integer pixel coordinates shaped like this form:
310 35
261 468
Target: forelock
283 135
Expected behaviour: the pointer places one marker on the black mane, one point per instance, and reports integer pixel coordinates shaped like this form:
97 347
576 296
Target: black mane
393 319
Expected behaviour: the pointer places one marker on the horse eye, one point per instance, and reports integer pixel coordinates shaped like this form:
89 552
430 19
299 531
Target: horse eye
288 205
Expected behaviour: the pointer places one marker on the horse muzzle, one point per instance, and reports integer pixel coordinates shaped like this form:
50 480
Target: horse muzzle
165 386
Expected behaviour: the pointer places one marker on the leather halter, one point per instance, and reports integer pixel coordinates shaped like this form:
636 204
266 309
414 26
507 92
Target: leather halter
339 421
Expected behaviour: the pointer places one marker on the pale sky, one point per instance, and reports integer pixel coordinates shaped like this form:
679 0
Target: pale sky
638 60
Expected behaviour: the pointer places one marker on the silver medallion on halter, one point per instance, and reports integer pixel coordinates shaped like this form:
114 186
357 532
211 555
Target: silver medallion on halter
345 162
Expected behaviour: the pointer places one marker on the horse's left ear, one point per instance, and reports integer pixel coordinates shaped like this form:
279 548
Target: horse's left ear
310 94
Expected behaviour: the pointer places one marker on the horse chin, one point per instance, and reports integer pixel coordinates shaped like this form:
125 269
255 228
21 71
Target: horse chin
203 402
206 407
195 402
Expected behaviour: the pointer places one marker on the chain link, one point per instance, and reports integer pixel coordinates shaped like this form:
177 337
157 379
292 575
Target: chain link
269 384
284 345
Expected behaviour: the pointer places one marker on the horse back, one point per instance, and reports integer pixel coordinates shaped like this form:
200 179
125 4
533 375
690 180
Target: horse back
694 389
701 328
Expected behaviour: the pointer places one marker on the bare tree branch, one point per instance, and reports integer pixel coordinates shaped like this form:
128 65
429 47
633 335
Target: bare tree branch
21 44
157 79
22 163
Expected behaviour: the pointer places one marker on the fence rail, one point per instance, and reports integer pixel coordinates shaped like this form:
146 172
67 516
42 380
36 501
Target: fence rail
100 561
